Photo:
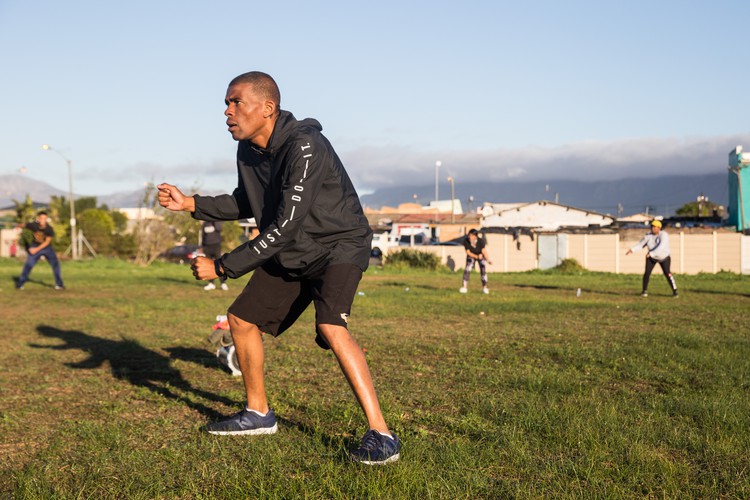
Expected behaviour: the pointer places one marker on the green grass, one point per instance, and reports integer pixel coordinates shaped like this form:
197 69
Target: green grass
527 392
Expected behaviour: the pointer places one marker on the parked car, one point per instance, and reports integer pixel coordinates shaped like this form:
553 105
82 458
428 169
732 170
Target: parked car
181 253
382 241
447 243
406 239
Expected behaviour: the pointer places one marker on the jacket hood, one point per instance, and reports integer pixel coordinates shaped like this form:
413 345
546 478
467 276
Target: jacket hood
286 125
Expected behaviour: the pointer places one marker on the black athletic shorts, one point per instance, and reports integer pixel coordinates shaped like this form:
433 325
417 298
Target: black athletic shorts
273 301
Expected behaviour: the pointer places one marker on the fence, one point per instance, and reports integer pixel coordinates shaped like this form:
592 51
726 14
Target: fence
691 253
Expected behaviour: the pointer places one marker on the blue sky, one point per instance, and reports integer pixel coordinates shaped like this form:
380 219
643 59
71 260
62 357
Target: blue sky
133 91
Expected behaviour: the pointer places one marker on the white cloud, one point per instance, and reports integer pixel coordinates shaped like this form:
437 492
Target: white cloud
373 167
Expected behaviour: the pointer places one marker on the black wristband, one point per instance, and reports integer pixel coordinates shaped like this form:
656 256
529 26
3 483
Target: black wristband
217 267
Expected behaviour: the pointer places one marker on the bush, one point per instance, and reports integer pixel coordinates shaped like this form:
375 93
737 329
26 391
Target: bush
124 246
413 259
97 226
569 266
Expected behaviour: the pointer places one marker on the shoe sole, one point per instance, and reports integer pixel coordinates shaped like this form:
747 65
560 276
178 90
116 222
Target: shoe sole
388 460
249 432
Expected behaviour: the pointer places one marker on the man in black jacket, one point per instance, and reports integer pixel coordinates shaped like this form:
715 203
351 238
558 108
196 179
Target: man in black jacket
313 246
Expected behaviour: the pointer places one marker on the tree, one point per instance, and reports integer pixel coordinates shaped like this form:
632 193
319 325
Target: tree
120 220
60 206
25 211
98 227
185 228
231 235
700 209
152 236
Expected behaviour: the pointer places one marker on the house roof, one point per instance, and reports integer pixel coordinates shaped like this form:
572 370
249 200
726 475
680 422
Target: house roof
424 218
546 215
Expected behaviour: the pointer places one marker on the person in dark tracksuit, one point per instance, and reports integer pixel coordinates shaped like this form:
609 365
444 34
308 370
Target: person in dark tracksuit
476 252
313 246
657 243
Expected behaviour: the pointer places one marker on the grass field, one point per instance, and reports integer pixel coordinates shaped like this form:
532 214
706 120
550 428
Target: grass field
528 392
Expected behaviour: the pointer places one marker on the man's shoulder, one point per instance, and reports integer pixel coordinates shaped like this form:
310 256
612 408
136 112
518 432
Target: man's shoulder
306 134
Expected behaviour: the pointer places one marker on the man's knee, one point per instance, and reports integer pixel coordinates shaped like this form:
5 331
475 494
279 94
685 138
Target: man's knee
240 327
332 334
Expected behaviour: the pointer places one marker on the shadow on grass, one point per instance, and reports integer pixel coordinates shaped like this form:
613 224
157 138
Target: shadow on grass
33 281
718 292
193 355
574 289
132 362
331 442
610 292
185 281
204 358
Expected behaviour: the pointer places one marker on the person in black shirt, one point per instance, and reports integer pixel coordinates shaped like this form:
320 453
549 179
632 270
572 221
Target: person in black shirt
476 252
40 246
211 246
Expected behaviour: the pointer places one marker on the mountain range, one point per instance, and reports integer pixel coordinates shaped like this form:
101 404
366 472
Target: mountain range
658 195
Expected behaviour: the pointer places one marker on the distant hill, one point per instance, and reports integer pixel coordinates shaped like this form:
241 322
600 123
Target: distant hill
16 187
663 195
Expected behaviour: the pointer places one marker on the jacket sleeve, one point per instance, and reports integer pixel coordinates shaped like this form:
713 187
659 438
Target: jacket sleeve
233 206
305 171
640 244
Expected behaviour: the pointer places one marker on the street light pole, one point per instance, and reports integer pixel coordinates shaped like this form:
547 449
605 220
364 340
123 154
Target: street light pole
453 197
437 168
73 239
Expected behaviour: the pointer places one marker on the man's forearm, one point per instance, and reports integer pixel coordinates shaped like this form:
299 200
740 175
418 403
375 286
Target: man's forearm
189 204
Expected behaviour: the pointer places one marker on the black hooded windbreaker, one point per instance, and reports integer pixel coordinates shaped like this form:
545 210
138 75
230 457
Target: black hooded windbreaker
303 201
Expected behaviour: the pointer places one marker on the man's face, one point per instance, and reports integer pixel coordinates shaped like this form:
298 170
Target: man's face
42 220
655 229
245 112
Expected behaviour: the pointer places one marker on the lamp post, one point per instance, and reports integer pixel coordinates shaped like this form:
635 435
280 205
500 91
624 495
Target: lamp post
437 168
73 242
453 197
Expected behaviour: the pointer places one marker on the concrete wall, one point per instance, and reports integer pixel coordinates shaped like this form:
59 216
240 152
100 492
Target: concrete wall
691 253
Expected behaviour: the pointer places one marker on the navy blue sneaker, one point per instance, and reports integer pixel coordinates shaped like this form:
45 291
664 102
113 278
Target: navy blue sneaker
245 422
377 449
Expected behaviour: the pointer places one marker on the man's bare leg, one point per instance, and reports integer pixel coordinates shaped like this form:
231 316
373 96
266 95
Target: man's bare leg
248 345
354 365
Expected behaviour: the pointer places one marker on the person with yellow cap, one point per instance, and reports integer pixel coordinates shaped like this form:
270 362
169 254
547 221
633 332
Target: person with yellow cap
657 243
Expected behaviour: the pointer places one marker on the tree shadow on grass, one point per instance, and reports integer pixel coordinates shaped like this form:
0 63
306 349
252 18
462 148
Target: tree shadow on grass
133 363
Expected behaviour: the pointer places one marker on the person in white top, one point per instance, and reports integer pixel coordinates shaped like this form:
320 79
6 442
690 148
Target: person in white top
657 243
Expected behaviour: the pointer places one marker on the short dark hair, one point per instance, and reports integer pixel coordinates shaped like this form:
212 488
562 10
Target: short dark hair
263 85
42 212
474 232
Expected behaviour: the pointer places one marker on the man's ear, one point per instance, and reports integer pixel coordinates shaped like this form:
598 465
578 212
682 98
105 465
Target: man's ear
269 108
